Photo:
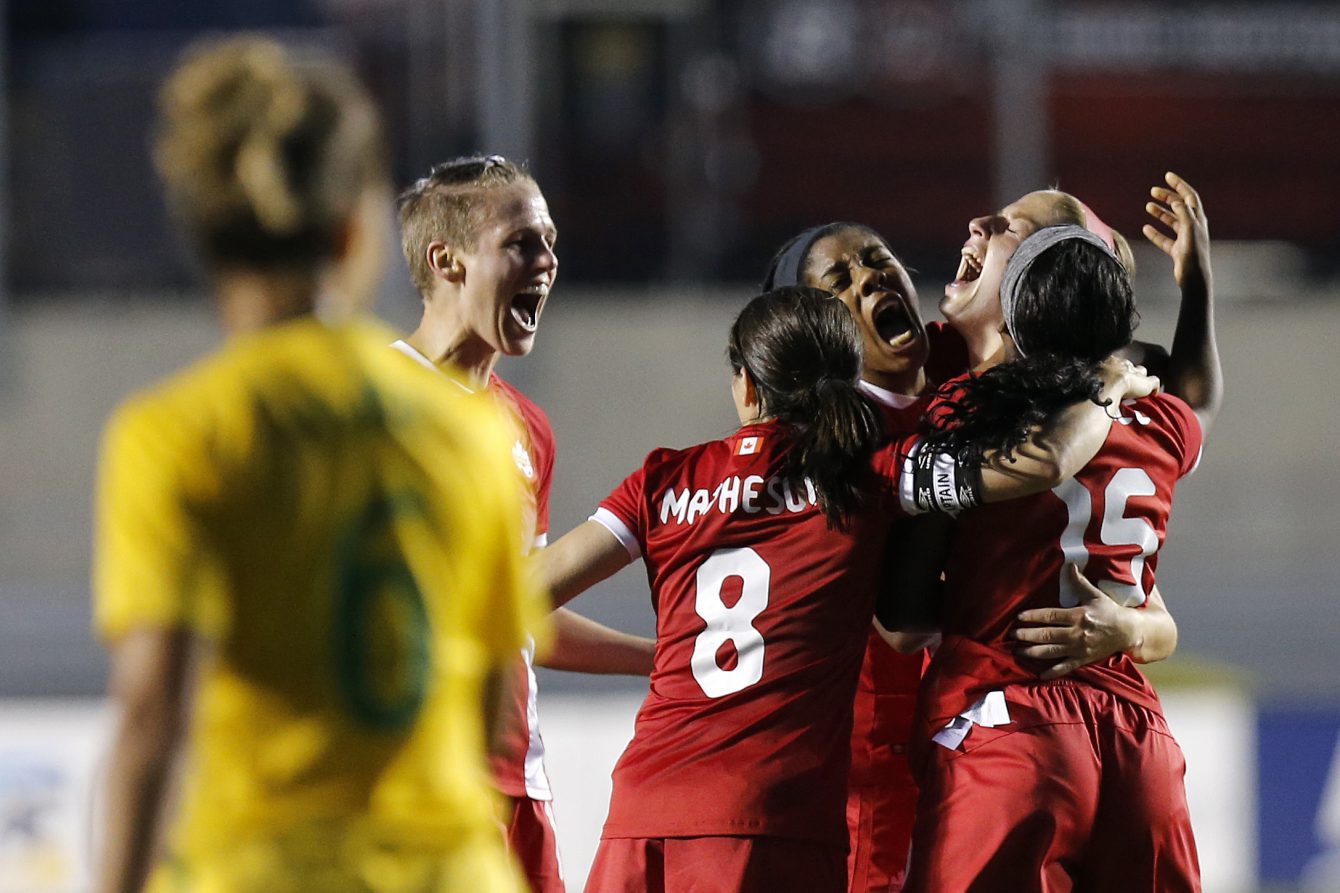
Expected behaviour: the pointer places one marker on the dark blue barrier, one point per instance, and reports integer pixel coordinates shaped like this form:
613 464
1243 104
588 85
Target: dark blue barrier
1297 748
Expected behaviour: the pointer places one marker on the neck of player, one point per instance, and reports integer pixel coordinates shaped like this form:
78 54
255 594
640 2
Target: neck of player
457 348
909 383
249 300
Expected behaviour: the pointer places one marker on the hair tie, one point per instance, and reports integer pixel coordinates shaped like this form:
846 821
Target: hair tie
1029 250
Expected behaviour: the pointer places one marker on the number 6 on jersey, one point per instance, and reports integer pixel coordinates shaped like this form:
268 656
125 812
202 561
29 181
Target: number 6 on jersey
730 623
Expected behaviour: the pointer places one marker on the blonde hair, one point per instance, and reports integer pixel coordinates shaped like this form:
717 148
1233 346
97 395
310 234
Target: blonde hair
447 206
1072 210
264 157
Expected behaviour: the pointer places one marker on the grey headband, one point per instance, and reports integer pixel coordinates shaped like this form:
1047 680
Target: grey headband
1022 261
792 260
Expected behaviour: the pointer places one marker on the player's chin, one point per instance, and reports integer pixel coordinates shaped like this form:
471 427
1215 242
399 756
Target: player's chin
891 360
517 344
957 297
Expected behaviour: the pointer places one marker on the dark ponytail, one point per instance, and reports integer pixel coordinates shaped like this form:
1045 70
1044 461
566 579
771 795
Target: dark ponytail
803 352
1072 309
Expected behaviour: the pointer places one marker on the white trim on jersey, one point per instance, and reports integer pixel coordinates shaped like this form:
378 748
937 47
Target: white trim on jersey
541 540
884 396
611 522
537 781
1200 454
410 351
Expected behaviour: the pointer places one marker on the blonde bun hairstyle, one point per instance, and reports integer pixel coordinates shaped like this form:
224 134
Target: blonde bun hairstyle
265 156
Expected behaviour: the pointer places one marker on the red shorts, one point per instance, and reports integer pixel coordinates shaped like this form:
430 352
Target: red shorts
531 838
710 864
879 820
1081 790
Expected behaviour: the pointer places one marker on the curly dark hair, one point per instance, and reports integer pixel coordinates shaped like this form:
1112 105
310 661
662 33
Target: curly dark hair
1074 309
803 352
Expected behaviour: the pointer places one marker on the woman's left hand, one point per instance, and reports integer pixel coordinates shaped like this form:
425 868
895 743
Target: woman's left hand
1093 630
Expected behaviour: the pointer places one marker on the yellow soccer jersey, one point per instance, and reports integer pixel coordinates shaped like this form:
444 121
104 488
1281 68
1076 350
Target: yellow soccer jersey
341 526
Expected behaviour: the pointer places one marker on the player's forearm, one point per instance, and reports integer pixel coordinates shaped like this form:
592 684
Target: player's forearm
580 559
151 682
1153 631
137 783
583 646
1053 454
1058 450
1194 372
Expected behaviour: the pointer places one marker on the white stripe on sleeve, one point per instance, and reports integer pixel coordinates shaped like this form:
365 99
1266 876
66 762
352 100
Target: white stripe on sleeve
614 524
1200 454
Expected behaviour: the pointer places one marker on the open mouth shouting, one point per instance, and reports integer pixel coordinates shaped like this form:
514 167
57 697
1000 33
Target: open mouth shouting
892 321
969 266
525 307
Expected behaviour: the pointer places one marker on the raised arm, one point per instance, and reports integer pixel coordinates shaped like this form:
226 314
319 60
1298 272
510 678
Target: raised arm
1191 370
1096 629
580 559
1057 451
581 645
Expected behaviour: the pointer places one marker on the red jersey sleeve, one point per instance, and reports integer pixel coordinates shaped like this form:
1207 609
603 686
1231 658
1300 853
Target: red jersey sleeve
1186 436
622 513
545 447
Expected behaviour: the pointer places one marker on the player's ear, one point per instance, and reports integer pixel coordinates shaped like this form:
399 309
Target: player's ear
444 263
745 394
750 391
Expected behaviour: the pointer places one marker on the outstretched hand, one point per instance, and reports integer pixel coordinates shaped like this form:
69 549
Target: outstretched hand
1178 207
1074 637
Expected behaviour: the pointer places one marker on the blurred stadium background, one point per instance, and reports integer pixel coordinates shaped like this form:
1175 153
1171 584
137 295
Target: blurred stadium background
679 142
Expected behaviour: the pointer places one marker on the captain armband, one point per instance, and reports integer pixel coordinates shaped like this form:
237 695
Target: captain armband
938 482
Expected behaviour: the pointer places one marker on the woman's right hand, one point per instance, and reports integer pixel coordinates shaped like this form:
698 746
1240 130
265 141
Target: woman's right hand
1179 208
1123 380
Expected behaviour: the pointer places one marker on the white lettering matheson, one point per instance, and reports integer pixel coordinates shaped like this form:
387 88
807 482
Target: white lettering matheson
751 494
734 624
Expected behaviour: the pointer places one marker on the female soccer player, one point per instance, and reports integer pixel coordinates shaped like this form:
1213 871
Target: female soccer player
903 361
763 552
1027 784
1190 370
1091 630
306 563
480 244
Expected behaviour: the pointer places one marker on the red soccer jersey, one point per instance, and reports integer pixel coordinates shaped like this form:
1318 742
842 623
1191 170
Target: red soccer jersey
1110 519
886 690
517 760
762 619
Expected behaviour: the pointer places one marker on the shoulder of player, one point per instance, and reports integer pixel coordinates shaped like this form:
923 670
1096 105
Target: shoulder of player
535 416
664 462
1168 409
